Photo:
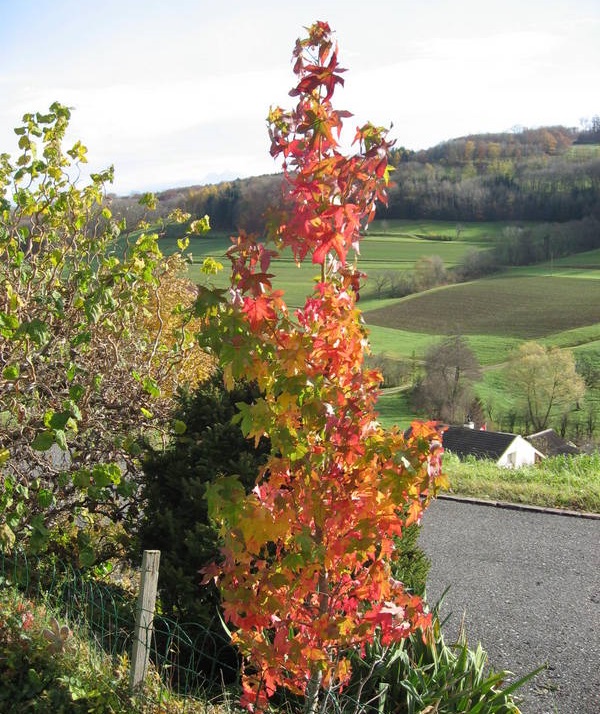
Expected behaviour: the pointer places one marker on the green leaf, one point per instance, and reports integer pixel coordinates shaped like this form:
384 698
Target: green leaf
151 386
202 225
76 391
59 420
225 497
36 330
106 475
87 557
8 325
179 427
209 301
81 338
45 498
210 266
126 488
149 200
93 311
43 441
11 373
61 439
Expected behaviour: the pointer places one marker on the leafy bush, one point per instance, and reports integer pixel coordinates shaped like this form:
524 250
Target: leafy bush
175 515
410 564
93 340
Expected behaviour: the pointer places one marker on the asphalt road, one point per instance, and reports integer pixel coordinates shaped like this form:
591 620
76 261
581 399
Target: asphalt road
528 585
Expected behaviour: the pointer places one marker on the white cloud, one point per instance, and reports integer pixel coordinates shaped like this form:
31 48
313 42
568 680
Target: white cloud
175 93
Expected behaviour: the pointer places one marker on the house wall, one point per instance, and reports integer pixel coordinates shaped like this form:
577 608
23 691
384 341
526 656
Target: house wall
519 453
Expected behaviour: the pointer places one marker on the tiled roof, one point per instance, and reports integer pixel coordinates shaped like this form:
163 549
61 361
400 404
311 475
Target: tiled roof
464 441
551 443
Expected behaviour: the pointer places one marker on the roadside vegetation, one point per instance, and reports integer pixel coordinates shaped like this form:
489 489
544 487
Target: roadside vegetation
565 482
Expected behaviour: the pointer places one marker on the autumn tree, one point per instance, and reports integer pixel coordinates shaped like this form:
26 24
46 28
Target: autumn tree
545 382
306 577
91 338
446 389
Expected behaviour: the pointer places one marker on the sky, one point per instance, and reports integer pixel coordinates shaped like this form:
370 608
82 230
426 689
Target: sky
176 92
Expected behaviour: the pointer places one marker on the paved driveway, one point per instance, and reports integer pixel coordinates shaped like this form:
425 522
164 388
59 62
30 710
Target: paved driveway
528 584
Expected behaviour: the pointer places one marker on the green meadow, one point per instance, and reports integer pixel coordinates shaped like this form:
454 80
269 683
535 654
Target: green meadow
387 246
556 303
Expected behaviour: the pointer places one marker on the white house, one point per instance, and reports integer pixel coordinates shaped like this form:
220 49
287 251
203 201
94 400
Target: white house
509 450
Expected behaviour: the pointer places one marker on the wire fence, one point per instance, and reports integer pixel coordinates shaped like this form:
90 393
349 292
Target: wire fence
188 659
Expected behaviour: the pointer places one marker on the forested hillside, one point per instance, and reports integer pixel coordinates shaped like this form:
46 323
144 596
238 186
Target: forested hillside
546 174
533 174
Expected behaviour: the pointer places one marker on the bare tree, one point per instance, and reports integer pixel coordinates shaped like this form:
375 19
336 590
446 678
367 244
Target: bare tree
446 389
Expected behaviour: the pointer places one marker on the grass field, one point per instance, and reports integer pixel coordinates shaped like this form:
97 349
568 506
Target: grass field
470 232
387 246
556 303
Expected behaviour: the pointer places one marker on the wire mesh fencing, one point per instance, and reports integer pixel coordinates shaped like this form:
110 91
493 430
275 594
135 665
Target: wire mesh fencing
191 660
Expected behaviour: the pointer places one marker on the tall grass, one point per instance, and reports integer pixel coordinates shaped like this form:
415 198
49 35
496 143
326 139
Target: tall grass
569 482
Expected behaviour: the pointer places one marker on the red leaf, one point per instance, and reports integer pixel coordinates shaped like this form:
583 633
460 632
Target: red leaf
258 310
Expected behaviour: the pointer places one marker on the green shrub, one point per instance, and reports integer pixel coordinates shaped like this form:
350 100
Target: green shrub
411 565
175 519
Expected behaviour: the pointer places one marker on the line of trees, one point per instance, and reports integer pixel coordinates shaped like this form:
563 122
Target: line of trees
497 177
526 174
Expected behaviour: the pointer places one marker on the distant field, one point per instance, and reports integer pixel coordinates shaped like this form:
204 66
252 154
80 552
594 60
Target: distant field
556 303
470 231
523 307
393 252
398 344
394 246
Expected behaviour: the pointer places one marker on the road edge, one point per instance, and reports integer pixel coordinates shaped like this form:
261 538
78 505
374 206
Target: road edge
518 506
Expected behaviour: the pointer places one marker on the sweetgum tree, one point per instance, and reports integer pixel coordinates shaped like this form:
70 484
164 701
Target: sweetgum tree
306 576
92 339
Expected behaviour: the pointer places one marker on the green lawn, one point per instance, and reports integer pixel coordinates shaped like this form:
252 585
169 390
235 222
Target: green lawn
463 231
394 250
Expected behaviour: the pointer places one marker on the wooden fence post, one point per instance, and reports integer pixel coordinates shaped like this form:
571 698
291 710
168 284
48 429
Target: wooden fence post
144 618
